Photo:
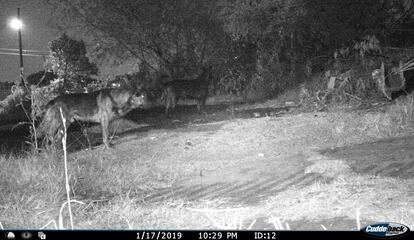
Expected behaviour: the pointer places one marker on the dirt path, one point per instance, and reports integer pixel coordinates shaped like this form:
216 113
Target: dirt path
245 184
257 178
392 157
262 155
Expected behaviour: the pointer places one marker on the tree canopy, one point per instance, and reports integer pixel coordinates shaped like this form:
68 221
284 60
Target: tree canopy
70 63
272 36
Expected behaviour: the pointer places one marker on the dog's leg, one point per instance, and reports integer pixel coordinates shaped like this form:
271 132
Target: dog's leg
201 105
199 102
174 100
167 107
171 100
105 131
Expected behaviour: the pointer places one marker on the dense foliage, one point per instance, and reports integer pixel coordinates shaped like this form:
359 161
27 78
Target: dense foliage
41 78
70 63
262 45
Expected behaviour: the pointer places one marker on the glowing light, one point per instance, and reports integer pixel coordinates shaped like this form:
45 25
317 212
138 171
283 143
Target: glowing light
16 24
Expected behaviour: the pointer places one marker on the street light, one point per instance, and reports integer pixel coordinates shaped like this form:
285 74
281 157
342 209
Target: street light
17 24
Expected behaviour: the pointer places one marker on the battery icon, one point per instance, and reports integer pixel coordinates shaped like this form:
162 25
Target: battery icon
10 235
41 235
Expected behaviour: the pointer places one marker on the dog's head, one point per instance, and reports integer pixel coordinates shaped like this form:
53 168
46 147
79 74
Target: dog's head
139 99
206 74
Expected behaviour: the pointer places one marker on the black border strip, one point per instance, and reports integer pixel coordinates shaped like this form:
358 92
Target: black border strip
36 234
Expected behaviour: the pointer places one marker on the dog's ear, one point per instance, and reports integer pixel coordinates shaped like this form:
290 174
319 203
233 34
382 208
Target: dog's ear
128 81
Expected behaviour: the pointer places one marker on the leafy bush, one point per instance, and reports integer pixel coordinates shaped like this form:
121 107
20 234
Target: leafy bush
70 63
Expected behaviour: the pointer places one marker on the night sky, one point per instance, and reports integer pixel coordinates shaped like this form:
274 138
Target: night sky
38 30
36 33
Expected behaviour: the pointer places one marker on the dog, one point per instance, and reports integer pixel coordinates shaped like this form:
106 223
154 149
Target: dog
102 106
194 89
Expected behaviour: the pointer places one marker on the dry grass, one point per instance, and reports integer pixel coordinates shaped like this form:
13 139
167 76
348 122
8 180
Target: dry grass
403 111
29 185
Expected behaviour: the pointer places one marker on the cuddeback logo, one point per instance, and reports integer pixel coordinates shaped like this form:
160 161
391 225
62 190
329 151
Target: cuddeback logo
385 230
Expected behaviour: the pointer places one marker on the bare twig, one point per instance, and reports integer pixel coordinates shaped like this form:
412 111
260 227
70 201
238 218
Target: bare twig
130 225
275 223
358 219
353 96
66 169
251 224
236 223
61 210
215 210
50 222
